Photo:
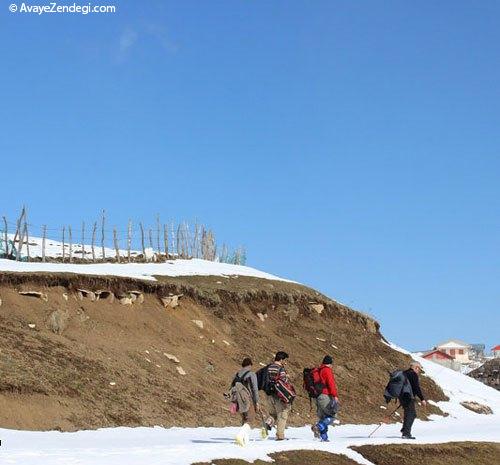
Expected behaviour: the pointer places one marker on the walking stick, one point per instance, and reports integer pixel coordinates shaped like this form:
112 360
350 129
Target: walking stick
384 420
263 430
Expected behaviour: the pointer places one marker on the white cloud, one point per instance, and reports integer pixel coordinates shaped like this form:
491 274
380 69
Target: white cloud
127 39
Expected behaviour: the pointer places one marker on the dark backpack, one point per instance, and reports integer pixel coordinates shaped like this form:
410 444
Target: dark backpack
240 379
398 386
312 382
240 392
263 381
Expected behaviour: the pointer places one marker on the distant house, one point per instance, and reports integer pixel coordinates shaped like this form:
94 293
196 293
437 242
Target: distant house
457 349
496 351
437 356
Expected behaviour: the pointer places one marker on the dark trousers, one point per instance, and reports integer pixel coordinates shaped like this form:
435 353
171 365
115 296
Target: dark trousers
409 416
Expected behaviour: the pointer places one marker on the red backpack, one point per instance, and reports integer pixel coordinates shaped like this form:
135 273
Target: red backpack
312 382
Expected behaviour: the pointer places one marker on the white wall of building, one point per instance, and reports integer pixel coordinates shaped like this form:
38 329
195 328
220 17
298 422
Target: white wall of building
460 352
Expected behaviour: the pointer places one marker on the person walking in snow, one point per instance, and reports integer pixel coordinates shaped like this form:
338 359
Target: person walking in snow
278 407
407 399
245 392
327 401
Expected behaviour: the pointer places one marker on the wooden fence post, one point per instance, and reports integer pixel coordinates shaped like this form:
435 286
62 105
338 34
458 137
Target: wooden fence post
196 240
27 240
102 235
173 238
150 234
129 239
93 240
158 234
83 240
19 233
6 238
70 244
63 244
165 240
20 243
179 254
187 239
142 241
44 239
117 250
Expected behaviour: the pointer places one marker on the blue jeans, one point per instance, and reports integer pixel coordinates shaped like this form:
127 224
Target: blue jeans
323 427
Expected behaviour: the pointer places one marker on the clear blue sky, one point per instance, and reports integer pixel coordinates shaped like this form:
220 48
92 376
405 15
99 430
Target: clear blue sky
352 146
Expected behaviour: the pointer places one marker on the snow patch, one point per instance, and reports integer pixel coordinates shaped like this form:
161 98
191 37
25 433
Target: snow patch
147 271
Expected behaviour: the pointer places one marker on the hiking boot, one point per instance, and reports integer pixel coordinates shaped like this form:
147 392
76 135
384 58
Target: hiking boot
316 431
407 436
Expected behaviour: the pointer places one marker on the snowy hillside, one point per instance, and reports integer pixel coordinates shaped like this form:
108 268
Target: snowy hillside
54 249
183 446
178 267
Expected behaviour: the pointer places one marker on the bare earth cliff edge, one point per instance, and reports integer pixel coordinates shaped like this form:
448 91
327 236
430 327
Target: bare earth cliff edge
70 361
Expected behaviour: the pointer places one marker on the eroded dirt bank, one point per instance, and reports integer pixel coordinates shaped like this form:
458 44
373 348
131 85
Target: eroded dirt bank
70 362
456 453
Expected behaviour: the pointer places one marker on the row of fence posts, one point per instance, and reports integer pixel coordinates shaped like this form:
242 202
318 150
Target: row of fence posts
178 242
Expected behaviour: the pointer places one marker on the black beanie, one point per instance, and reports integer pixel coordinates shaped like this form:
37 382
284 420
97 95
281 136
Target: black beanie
327 360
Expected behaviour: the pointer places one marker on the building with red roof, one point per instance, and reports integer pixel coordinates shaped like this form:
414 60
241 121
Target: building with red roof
438 356
496 351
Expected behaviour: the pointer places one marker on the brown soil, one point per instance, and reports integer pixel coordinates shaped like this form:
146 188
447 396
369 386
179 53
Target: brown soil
64 381
293 457
456 453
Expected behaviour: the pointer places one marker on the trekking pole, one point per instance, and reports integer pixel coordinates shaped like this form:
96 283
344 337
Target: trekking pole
264 433
384 420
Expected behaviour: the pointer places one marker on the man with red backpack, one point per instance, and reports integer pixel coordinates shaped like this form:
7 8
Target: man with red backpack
327 398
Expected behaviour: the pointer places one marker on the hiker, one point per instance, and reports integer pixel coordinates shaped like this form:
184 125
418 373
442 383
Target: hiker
407 399
244 391
279 408
327 400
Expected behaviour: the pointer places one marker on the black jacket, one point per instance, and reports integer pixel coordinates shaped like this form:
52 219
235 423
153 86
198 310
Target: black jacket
415 384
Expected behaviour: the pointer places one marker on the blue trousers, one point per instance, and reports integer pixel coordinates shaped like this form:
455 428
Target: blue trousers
323 427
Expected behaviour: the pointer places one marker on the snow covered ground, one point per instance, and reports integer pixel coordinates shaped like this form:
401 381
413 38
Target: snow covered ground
141 270
55 248
133 270
183 446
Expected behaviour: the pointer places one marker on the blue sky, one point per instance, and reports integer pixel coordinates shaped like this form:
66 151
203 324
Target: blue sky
352 146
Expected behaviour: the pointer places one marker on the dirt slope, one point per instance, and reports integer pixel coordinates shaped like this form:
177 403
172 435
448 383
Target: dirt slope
107 367
456 453
294 457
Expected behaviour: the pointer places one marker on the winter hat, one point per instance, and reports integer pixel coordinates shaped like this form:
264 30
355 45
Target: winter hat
327 360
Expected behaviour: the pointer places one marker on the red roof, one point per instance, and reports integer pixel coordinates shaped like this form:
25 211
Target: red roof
496 348
439 353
